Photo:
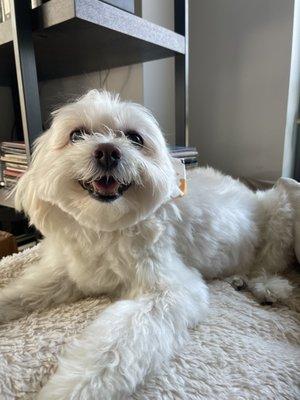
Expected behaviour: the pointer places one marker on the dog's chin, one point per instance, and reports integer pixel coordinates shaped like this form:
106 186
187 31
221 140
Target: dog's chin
107 189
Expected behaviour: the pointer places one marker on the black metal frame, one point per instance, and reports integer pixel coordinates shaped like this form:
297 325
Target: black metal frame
26 71
297 151
181 8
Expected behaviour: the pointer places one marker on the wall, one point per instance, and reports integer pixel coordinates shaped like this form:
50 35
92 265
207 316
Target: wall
126 80
240 54
293 99
159 76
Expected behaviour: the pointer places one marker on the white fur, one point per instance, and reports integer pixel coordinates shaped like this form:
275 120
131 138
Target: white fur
146 248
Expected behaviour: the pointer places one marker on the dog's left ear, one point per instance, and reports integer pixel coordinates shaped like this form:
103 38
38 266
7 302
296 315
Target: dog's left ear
25 192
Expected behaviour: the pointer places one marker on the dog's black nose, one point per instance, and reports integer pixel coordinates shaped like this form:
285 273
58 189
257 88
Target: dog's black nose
107 155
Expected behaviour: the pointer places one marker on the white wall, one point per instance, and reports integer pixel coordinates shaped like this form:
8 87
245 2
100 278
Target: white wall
126 80
159 76
240 53
293 99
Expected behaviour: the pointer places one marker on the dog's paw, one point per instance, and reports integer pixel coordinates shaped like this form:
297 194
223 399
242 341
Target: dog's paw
62 390
270 290
76 388
69 386
237 282
78 380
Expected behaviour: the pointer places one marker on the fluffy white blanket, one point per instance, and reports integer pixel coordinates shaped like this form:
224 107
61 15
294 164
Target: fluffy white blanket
242 351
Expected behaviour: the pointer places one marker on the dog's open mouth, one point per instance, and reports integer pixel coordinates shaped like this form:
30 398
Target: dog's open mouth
105 189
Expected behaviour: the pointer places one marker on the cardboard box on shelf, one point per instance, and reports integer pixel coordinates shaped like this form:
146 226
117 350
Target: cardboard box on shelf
8 244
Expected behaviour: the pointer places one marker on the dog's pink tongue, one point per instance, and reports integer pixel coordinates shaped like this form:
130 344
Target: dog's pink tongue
106 185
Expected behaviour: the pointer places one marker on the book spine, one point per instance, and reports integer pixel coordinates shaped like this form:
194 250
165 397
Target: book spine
13 162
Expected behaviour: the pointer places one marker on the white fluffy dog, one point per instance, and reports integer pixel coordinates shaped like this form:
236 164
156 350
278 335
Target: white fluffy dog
101 188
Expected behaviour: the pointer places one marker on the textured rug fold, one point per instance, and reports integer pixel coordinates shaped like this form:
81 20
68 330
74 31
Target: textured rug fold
242 351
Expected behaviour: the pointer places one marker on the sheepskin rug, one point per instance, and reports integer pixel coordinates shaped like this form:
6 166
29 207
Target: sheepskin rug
242 351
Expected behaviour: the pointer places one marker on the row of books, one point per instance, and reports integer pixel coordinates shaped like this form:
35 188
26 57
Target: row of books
189 155
14 162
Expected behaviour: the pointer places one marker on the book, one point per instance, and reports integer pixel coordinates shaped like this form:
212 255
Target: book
14 169
9 182
17 166
12 173
180 149
13 162
16 145
188 155
11 158
185 154
12 150
190 160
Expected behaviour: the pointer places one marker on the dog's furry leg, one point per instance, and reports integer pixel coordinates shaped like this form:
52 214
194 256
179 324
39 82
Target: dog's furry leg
39 287
129 340
276 251
292 187
276 242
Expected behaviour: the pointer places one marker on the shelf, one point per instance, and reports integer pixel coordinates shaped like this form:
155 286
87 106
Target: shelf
79 36
5 199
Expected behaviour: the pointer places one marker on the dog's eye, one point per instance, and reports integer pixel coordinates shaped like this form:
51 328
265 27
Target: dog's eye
135 138
77 135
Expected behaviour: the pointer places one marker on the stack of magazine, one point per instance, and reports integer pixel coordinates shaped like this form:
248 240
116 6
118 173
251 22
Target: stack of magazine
189 155
13 162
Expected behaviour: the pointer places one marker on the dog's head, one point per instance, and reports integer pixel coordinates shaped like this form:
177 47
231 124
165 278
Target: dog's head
103 162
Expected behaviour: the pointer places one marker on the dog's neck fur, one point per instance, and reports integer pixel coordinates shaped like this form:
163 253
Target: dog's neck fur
118 258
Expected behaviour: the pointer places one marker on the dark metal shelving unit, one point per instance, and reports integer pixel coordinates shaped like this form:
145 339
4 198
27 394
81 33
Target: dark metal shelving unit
67 37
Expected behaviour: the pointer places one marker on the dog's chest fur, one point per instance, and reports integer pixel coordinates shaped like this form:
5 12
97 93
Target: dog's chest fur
114 261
